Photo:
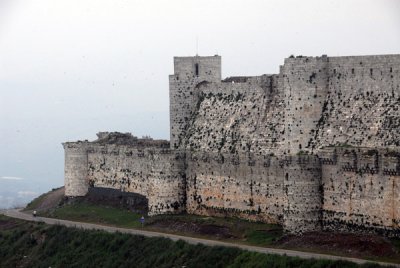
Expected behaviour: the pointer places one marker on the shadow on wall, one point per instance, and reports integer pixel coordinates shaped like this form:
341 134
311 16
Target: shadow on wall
111 197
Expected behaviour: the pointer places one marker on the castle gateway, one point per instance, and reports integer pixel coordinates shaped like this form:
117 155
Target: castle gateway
315 147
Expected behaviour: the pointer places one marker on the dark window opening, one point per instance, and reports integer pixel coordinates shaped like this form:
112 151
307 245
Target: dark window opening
370 71
391 69
196 66
352 71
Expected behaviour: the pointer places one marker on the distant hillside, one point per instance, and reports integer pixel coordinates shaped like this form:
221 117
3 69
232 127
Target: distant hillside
25 244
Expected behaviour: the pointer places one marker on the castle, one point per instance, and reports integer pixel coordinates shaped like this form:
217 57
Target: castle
315 147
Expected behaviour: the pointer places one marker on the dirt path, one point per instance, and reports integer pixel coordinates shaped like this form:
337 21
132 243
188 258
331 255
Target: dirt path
307 255
51 200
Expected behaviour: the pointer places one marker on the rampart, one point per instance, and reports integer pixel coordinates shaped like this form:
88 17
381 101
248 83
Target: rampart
315 147
123 162
361 190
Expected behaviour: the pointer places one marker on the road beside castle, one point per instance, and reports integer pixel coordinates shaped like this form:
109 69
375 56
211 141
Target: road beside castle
15 213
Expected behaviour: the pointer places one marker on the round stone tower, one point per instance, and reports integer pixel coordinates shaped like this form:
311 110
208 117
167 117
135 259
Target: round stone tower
76 168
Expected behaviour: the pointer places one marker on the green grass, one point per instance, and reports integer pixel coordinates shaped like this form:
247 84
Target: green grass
396 243
35 202
38 245
263 237
253 233
244 232
97 214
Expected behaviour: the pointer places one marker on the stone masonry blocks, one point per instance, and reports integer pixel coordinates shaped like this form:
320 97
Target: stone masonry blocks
314 147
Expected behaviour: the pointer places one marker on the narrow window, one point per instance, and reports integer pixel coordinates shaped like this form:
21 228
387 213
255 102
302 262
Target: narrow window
370 71
352 71
391 69
196 66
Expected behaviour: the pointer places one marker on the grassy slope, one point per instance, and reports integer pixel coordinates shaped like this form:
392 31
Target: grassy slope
98 214
259 234
25 244
47 200
34 204
243 231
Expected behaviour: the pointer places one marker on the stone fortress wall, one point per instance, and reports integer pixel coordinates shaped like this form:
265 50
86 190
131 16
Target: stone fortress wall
361 189
123 162
313 147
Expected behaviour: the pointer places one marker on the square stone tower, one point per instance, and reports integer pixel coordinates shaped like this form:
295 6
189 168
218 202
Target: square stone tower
188 73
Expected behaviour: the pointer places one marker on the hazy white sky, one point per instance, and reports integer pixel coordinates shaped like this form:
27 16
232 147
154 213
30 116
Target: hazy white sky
69 69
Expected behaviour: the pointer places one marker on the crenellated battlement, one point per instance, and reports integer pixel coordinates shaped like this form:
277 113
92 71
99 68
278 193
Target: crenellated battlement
363 160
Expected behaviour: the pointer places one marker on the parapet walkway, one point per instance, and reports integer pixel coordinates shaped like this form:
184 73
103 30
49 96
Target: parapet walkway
15 213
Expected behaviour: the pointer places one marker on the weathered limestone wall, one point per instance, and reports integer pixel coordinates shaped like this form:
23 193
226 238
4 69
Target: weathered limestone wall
244 117
361 190
305 84
183 93
123 162
361 108
246 186
156 173
269 189
253 147
313 102
302 211
76 168
341 100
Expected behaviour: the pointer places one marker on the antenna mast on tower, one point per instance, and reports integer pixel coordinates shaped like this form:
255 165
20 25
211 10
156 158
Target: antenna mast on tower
197 45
